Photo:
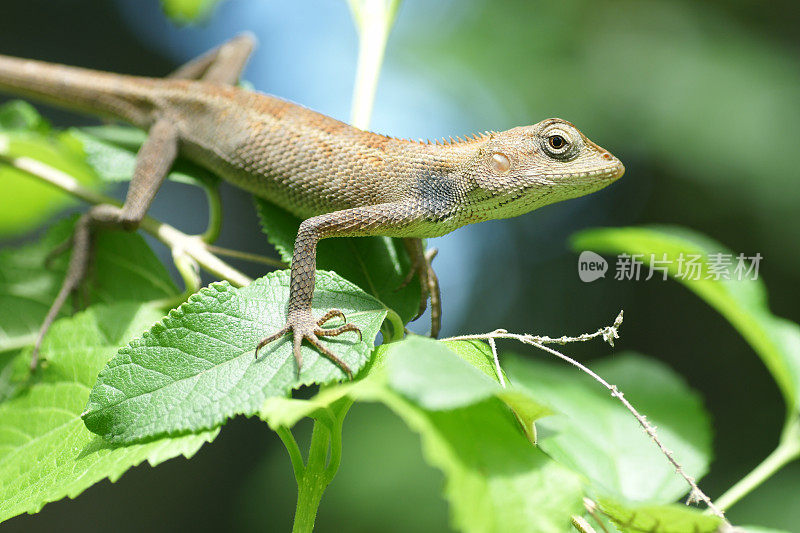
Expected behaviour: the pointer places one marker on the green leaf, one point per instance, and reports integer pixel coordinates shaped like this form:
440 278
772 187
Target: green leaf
281 227
477 354
46 452
526 407
743 303
447 375
286 412
124 269
20 115
659 518
196 368
13 373
111 153
186 11
597 436
278 411
23 133
496 480
428 373
376 264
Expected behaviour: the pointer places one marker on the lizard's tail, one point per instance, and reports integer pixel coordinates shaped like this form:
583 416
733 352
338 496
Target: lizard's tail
79 89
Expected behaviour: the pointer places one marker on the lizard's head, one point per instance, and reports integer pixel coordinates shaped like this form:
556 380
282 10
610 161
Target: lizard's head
525 168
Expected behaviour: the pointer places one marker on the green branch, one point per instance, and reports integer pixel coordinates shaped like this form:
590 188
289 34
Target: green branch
374 20
787 451
312 484
214 213
294 452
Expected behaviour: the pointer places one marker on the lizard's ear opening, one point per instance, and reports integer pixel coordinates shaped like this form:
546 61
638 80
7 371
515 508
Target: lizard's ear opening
500 163
491 172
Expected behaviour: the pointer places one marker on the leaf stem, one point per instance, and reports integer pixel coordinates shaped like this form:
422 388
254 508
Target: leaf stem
314 480
336 439
787 451
189 272
316 474
294 451
214 213
397 326
247 256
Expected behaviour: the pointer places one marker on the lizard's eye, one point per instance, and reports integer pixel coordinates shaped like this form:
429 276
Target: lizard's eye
556 142
500 163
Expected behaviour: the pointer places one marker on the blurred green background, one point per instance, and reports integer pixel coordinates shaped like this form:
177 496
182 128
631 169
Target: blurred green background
701 101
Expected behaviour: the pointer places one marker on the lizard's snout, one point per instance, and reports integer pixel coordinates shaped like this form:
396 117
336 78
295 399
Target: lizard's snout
615 168
611 168
618 169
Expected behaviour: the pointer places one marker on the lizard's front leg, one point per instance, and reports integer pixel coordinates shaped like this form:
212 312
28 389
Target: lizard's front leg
357 222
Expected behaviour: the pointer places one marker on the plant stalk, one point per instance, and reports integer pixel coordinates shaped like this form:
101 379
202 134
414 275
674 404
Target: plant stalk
374 20
787 451
314 480
214 214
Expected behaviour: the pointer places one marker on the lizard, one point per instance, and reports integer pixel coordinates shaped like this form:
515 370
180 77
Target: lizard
340 180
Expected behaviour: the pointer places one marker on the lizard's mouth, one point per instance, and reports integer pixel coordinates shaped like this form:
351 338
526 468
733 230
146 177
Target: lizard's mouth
602 175
581 184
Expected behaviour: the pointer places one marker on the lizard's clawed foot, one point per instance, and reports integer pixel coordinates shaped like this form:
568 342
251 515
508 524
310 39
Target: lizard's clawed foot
303 325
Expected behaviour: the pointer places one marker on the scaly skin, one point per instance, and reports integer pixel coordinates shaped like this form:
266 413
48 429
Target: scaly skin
341 180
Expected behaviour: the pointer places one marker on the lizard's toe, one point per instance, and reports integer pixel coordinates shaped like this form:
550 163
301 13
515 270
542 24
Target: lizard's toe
275 336
333 332
314 340
330 314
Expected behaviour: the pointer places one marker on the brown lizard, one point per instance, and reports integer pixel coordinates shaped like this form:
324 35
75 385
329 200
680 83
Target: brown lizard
340 180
